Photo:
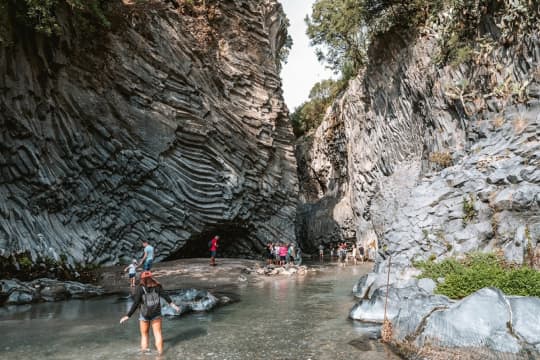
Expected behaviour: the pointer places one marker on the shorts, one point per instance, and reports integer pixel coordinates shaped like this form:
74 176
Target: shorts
321 252
144 318
282 258
131 276
269 256
213 253
147 264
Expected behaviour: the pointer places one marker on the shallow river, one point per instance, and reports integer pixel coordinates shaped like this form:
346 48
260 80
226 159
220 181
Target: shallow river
280 318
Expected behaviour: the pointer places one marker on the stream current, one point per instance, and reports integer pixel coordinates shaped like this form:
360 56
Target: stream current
304 317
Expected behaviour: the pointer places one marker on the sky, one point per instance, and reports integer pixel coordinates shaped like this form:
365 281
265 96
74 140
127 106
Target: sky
303 69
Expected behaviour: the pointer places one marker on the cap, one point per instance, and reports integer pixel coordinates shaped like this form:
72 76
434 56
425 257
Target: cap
146 274
134 261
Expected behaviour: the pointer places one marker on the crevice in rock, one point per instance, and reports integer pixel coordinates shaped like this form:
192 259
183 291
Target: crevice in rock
410 338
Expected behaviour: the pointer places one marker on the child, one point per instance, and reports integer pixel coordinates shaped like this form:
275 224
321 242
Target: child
132 272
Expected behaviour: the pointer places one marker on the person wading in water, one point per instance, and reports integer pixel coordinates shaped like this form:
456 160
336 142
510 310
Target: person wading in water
147 296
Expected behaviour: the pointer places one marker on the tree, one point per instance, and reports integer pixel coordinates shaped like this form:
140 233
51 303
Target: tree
41 14
310 114
337 29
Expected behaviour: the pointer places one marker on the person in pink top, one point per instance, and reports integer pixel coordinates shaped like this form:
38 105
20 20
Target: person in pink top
213 250
282 254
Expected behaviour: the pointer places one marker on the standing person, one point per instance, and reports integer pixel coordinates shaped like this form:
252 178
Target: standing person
298 258
331 252
321 252
213 250
282 254
276 253
362 253
292 252
148 256
355 254
132 272
147 296
342 253
269 253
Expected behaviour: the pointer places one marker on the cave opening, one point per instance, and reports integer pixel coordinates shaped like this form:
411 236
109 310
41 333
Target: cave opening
234 242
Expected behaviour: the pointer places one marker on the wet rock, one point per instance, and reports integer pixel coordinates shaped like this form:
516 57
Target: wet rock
406 308
481 319
192 300
18 292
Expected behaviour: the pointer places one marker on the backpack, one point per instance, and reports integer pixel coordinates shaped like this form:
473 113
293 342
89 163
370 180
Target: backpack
151 305
210 244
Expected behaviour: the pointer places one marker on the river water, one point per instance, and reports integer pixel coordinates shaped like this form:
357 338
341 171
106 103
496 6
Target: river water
280 318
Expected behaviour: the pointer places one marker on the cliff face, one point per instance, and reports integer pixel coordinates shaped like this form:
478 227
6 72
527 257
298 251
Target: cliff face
428 160
169 127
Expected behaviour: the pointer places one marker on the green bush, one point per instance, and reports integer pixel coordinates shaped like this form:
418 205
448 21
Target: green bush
479 270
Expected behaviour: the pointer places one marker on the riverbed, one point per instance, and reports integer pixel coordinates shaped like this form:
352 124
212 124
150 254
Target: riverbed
298 317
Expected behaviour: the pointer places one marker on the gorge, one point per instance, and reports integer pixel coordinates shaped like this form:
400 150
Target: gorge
169 126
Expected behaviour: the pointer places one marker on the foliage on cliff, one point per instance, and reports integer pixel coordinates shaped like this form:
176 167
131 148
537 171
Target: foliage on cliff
342 30
41 15
476 271
310 114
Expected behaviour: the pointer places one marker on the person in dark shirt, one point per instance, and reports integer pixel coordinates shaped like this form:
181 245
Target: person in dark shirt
149 284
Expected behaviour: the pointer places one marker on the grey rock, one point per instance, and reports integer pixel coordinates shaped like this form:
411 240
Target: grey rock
426 284
191 300
167 133
478 320
19 292
406 308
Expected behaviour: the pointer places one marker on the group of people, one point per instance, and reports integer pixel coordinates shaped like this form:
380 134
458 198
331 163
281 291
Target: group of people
282 254
344 254
146 296
147 293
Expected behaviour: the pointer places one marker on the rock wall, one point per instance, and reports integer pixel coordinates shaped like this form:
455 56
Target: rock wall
426 160
170 126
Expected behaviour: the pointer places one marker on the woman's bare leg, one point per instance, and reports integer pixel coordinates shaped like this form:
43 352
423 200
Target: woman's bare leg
156 330
144 327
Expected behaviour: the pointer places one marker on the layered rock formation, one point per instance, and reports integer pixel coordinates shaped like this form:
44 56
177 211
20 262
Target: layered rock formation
427 161
169 127
430 160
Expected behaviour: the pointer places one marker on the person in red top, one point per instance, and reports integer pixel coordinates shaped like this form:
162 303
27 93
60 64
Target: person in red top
213 250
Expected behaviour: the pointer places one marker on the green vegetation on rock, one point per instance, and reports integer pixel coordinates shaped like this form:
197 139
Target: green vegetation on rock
479 270
42 15
310 114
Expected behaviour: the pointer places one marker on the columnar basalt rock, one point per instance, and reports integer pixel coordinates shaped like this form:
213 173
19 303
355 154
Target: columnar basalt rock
433 161
168 127
428 160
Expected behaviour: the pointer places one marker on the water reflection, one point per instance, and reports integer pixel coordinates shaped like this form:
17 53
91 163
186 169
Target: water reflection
280 318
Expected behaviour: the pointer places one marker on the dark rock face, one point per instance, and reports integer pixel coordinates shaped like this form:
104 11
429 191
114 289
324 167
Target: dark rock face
169 127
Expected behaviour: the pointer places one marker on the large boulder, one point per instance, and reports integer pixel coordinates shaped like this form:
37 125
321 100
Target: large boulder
480 319
191 300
